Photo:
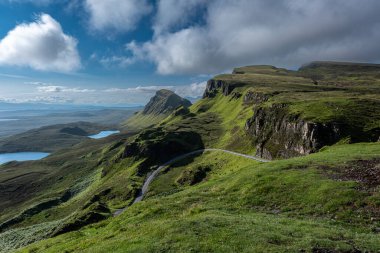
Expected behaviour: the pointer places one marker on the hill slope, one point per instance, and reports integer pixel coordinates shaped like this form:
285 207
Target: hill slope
306 204
322 202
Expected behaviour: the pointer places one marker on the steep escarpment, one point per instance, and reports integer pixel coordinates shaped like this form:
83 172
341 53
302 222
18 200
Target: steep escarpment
280 134
292 114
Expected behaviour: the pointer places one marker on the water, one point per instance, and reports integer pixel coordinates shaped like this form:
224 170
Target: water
4 120
103 134
22 156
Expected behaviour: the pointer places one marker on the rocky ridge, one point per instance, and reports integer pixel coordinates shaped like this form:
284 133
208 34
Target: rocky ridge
165 101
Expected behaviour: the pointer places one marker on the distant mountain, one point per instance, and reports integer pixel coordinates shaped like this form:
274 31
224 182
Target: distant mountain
160 106
165 101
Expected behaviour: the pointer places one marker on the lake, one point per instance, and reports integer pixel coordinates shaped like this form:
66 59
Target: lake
22 156
103 134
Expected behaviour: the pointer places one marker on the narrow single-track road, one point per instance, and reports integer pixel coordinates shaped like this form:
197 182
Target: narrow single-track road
153 175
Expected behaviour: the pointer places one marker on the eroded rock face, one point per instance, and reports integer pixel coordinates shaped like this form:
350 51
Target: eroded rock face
280 134
255 98
165 101
213 86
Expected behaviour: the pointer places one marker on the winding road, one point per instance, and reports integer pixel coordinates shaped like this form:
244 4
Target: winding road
153 175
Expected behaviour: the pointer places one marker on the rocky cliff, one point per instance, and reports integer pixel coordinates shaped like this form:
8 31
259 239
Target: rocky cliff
292 115
280 134
165 101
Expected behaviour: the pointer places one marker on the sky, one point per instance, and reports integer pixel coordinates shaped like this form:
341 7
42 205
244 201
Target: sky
119 52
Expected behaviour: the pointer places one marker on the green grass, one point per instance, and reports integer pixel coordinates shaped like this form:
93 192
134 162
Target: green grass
282 206
215 201
140 121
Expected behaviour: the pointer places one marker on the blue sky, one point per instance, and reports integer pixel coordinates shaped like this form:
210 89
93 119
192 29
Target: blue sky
122 51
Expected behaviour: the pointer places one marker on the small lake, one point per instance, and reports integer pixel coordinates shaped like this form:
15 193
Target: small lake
103 134
22 156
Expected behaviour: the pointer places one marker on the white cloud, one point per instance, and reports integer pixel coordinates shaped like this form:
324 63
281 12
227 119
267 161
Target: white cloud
40 92
57 88
174 14
116 15
120 61
40 45
241 32
193 90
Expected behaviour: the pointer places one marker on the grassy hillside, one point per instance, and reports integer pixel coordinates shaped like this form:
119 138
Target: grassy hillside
311 203
50 138
63 191
140 121
323 202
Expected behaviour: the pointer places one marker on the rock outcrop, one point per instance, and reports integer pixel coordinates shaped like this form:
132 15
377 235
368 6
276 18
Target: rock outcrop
255 98
165 101
278 134
213 86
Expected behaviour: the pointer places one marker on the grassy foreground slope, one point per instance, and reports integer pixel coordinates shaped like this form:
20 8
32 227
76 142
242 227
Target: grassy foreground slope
307 204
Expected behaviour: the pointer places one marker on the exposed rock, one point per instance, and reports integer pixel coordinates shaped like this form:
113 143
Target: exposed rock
280 134
252 97
235 95
165 101
213 86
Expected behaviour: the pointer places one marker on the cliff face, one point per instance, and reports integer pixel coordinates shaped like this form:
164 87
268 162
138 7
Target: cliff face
165 101
275 132
213 86
279 134
294 116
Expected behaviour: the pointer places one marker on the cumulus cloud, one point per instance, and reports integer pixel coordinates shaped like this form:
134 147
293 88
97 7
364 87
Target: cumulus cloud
194 90
243 32
116 15
174 14
41 45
